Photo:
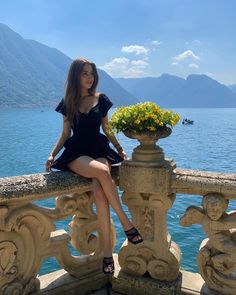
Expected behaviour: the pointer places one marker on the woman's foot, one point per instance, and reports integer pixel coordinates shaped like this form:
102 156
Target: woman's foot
108 265
134 236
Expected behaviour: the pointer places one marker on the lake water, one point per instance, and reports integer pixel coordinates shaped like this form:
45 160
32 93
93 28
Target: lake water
28 135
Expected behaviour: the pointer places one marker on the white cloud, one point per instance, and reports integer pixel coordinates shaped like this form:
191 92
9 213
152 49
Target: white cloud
137 49
196 41
123 67
193 42
156 42
133 72
118 62
174 63
193 66
188 54
139 63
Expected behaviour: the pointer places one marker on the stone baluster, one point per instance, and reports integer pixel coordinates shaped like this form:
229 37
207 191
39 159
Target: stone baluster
146 184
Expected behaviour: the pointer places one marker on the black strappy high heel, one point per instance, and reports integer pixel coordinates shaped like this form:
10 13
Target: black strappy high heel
134 236
108 265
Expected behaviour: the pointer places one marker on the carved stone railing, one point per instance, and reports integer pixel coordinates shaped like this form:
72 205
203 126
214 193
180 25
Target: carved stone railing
28 235
27 230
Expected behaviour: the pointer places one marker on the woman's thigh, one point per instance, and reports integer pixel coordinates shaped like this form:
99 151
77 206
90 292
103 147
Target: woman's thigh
89 167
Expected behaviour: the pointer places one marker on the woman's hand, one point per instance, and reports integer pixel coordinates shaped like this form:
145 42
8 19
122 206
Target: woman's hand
49 163
123 155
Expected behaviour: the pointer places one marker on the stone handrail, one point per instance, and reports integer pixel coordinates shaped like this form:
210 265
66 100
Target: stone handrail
28 233
43 185
197 182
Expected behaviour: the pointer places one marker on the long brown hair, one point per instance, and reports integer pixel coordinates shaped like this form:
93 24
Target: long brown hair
73 90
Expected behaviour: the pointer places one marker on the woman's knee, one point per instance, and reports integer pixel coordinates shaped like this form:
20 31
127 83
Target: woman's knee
103 172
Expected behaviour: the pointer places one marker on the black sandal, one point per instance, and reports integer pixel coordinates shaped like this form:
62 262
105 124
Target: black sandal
108 265
132 235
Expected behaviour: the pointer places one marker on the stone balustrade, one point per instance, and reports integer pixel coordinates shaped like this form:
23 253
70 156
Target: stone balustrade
28 233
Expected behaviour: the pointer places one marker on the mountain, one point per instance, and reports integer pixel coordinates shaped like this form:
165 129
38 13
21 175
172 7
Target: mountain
161 90
33 74
172 91
233 87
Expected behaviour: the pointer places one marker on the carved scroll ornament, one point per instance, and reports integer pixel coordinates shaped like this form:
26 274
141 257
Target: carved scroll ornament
28 235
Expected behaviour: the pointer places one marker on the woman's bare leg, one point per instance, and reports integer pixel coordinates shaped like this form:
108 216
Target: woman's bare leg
88 167
103 214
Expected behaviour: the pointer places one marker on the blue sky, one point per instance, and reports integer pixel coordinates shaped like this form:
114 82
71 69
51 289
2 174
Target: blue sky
134 38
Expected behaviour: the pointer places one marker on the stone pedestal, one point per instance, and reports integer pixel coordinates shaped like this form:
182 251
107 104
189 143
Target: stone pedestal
123 283
145 181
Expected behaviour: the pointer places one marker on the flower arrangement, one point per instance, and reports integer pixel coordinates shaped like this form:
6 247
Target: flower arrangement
142 117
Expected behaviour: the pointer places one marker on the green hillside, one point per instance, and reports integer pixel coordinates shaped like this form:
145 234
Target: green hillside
33 74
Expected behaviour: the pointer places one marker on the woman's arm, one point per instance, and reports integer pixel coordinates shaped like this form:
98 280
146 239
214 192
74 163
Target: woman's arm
110 135
66 132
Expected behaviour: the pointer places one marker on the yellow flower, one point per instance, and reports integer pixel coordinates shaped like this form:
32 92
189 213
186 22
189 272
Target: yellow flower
142 117
151 128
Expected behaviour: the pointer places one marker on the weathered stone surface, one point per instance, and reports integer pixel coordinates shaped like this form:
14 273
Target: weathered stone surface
146 182
149 191
132 285
201 183
217 255
60 282
144 178
42 185
28 236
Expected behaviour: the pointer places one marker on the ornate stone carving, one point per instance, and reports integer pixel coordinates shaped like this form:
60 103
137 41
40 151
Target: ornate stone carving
22 229
28 235
85 235
7 259
147 194
20 289
217 255
147 227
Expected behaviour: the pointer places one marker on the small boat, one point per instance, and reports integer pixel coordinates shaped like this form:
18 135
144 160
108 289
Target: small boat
187 122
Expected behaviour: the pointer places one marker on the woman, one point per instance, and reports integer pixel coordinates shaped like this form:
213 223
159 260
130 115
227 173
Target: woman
87 151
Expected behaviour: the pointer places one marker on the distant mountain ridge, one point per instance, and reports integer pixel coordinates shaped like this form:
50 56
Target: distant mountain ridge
33 74
172 91
233 87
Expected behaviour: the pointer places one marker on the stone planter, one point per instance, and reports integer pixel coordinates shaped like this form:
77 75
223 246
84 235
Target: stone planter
148 150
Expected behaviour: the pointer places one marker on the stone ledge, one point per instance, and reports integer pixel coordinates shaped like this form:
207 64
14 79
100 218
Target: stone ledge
187 284
193 284
60 282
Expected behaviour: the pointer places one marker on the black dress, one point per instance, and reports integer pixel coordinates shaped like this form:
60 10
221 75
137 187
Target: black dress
87 139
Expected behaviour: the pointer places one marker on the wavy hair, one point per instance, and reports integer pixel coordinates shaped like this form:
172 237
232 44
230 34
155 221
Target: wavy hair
73 90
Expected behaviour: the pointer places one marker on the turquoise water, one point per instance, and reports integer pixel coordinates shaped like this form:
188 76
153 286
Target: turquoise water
28 135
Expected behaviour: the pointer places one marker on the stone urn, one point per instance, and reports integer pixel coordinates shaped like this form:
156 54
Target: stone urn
148 151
